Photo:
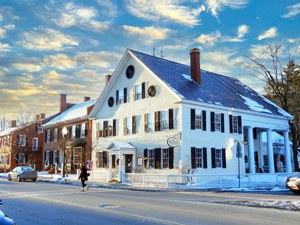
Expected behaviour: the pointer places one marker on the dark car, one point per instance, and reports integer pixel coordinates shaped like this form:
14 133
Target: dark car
4 219
23 173
293 183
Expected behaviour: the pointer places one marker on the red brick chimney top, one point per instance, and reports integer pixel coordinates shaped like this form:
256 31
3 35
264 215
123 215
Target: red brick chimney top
195 65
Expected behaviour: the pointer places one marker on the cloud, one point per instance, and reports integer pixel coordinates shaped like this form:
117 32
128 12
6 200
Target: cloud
169 10
82 17
214 37
47 39
27 66
216 5
4 47
96 59
270 33
4 29
221 61
293 10
59 61
143 33
110 9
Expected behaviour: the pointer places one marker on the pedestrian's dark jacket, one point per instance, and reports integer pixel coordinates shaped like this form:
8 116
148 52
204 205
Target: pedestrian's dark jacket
83 174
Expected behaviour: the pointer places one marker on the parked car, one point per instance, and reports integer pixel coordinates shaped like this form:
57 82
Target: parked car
23 173
4 219
293 183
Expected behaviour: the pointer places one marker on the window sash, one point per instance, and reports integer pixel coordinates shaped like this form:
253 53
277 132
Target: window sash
73 131
151 158
164 124
218 158
77 155
82 132
217 122
165 158
235 124
22 140
138 91
35 144
198 118
55 135
199 158
48 136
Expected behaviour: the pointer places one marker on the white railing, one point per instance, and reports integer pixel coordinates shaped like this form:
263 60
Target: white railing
196 181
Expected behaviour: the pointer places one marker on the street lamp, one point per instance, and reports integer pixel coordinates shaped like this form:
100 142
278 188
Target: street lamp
64 133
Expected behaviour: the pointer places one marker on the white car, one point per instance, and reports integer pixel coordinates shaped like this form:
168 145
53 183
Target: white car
293 183
23 173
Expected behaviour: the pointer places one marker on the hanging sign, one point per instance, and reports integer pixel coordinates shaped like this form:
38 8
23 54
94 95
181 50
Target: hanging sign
173 142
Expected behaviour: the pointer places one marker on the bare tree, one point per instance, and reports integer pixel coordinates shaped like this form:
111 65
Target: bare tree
282 85
25 116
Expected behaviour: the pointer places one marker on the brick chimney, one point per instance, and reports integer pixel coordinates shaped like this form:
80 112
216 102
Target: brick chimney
42 116
13 123
107 78
63 102
86 99
195 65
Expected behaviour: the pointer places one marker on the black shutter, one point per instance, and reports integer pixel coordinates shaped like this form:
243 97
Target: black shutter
223 157
125 95
203 120
78 131
157 155
212 121
230 124
171 122
193 115
133 124
86 129
171 158
157 121
105 128
145 157
213 158
114 127
204 157
105 164
51 158
240 130
255 133
193 160
222 123
143 90
117 97
45 136
113 159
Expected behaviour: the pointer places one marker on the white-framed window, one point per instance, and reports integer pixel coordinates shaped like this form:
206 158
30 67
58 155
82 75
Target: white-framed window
22 140
110 128
35 143
217 121
218 158
4 159
128 125
82 131
73 131
55 136
151 158
39 127
164 122
21 159
235 124
121 96
198 158
100 129
138 91
165 158
47 158
198 115
77 155
48 135
149 122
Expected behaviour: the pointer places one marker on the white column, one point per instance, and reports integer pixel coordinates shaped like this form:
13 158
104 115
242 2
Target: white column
261 153
134 162
251 162
287 152
270 152
120 167
109 177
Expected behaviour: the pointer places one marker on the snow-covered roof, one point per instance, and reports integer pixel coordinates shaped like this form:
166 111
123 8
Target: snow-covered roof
75 112
8 131
214 89
276 138
117 145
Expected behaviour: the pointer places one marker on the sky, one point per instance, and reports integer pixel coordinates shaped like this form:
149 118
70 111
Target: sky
49 47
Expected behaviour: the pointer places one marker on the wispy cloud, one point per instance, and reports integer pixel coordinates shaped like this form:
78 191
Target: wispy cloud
82 17
4 47
214 6
270 33
47 39
59 61
143 33
109 8
293 10
215 37
168 10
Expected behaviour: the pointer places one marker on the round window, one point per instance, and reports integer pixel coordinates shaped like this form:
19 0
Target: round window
111 101
151 90
130 71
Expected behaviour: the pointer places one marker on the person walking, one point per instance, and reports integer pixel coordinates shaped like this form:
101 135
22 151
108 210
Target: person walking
83 177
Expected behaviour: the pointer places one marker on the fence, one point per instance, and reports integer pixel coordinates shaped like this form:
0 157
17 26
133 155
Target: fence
195 181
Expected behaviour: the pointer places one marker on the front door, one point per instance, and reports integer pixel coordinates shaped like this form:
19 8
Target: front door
128 163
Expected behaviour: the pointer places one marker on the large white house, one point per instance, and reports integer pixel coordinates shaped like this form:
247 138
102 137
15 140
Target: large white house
162 117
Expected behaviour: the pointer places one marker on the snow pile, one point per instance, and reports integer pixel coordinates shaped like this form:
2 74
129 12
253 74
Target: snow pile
255 106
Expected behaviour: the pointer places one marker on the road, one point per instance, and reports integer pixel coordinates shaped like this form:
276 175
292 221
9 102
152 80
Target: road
40 203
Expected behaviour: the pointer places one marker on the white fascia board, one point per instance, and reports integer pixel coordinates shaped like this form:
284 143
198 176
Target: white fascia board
229 109
108 86
154 75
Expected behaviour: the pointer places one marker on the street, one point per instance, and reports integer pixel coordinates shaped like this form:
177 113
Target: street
41 203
